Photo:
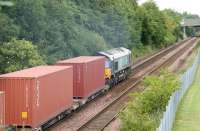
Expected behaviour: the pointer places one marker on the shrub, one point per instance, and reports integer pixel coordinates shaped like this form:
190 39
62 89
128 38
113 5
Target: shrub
18 54
144 112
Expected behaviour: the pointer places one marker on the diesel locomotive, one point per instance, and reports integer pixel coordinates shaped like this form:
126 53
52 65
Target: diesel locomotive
117 65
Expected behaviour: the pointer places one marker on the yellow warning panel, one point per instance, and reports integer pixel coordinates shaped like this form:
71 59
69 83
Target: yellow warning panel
24 115
108 73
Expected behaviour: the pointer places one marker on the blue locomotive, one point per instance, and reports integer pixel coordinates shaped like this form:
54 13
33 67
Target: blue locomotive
117 65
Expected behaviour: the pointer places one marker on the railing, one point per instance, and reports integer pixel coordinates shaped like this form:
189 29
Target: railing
187 79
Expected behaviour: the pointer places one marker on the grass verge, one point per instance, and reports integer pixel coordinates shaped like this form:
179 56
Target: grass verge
188 114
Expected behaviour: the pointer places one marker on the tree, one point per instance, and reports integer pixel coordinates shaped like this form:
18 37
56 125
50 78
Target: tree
67 28
173 23
7 28
18 54
153 26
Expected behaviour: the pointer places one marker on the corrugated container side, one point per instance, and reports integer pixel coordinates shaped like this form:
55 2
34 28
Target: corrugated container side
94 76
54 100
2 111
88 76
33 101
77 78
18 100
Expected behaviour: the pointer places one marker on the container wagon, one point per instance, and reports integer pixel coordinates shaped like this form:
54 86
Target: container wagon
36 96
88 76
2 111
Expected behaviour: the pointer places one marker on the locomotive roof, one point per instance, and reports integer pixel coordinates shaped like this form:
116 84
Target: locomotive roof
116 53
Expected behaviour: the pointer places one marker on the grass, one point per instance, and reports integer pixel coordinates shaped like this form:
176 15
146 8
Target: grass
188 115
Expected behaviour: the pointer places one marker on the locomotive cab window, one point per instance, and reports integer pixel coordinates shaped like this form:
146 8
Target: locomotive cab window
116 65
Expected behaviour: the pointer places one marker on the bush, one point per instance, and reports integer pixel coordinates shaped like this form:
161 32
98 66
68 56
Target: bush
18 54
141 50
144 112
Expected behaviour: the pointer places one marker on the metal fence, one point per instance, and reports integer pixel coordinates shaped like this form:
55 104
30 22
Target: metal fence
166 123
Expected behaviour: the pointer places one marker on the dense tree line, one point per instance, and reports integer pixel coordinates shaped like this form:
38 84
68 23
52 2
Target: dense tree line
66 28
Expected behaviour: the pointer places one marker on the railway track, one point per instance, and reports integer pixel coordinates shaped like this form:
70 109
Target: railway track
110 110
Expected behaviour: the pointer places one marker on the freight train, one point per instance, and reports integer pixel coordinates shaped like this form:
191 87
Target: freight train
40 96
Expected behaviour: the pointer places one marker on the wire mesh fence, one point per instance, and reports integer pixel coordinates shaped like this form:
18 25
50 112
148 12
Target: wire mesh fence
188 77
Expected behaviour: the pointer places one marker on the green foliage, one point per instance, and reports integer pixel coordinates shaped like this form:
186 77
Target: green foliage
91 42
144 112
63 29
172 22
7 28
141 50
133 121
67 28
159 27
18 54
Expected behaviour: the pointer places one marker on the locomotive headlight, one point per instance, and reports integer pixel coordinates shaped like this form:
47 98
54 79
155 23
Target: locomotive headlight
108 73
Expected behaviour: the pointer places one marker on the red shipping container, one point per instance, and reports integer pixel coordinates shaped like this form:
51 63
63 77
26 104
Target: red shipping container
88 74
35 95
2 111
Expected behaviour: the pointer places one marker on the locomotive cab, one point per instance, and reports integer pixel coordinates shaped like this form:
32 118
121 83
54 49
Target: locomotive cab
118 64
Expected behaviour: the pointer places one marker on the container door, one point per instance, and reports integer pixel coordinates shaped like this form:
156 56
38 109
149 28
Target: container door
78 81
